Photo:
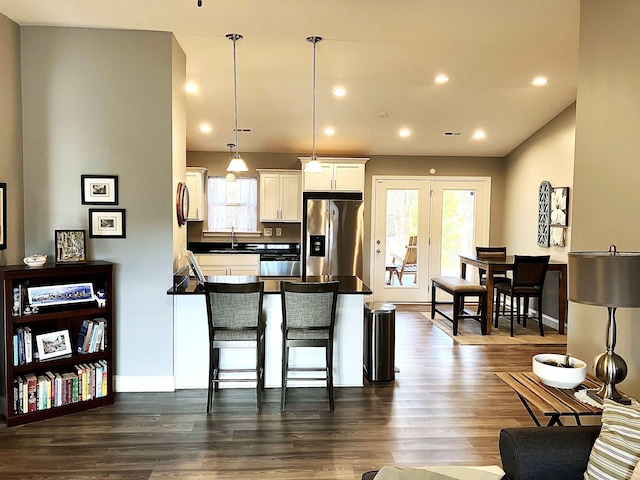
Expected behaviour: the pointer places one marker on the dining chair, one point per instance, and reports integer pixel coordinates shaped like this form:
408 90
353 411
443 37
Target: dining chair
308 320
235 319
491 252
527 282
498 277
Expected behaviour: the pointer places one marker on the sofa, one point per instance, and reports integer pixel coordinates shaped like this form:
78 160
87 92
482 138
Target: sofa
542 453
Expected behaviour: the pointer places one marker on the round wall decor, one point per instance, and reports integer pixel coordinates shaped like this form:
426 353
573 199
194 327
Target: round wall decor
182 203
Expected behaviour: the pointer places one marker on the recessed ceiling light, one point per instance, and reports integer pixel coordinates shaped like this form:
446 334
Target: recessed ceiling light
404 132
205 128
329 131
339 92
191 87
441 79
540 81
479 134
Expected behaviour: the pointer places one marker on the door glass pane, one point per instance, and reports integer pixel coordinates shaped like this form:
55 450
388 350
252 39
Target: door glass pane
458 227
401 230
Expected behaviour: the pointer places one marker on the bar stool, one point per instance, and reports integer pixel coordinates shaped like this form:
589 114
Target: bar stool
308 320
235 321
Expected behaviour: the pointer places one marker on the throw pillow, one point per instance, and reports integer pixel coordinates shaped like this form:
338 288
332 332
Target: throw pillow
616 451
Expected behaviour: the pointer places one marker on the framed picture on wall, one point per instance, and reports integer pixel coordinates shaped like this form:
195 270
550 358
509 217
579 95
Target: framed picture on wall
70 246
99 189
3 216
560 206
107 223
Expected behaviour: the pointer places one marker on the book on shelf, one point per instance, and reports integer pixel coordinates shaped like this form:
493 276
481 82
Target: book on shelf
32 391
16 359
28 345
82 334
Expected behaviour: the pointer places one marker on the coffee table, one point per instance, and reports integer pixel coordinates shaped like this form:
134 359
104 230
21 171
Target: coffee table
549 401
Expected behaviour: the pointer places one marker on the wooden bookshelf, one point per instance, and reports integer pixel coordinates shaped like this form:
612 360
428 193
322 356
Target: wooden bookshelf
65 315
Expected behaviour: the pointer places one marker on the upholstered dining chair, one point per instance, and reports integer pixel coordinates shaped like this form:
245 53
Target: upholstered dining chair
235 321
308 320
529 273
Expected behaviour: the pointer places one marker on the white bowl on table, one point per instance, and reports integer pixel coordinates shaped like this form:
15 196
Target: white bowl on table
556 376
35 260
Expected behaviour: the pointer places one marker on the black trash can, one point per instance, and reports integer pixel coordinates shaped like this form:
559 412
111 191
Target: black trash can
379 341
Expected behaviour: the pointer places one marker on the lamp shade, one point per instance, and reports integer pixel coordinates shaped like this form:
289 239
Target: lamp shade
608 279
237 165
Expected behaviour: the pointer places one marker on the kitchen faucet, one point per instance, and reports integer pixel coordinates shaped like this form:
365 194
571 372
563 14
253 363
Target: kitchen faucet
233 239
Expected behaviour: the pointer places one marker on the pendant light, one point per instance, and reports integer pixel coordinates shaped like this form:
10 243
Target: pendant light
236 164
314 166
230 176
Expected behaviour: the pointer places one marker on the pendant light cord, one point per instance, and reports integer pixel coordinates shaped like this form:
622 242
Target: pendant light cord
314 40
234 37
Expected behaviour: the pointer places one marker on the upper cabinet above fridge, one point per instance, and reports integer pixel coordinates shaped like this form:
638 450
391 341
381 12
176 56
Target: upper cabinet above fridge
338 175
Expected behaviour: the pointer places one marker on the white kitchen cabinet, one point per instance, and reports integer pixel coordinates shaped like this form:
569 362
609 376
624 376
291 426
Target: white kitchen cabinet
338 175
280 196
196 180
229 263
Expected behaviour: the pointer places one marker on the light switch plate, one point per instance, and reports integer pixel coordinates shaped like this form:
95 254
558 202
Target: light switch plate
278 232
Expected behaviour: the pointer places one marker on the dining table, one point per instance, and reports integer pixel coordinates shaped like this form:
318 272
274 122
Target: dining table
493 265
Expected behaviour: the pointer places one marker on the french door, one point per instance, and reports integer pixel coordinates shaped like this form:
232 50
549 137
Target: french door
420 226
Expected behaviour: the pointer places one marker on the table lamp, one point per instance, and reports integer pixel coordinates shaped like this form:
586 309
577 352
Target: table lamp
607 279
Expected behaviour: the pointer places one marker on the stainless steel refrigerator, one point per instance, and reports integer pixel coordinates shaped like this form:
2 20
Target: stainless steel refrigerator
333 232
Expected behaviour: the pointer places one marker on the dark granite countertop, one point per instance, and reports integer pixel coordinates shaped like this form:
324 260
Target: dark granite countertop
349 285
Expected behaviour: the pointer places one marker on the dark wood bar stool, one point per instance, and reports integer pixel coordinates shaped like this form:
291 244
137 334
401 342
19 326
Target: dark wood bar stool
308 320
235 321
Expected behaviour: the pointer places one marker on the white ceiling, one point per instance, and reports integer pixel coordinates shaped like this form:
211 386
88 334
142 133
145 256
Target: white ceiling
385 53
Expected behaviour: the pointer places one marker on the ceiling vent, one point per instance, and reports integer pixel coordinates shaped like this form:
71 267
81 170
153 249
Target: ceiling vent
452 134
244 130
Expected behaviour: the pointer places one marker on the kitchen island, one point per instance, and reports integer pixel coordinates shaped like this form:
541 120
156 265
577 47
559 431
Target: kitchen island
191 335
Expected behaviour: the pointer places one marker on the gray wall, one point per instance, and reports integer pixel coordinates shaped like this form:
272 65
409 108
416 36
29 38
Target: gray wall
607 170
100 102
11 140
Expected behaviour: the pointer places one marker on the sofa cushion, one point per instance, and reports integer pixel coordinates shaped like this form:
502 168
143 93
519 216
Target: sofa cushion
616 451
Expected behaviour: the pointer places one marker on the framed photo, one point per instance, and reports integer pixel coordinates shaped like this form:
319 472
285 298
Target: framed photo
53 344
560 206
49 295
558 236
107 223
70 246
3 216
99 189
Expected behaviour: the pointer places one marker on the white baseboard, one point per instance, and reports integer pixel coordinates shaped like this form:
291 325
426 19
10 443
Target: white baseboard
164 383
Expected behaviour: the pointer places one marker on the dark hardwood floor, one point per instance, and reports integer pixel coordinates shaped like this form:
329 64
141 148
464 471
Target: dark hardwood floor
445 407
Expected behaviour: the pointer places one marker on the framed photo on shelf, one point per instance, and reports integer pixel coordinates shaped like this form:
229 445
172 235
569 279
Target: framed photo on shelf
99 189
3 216
70 246
53 344
107 223
48 295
